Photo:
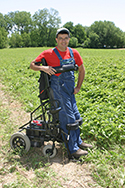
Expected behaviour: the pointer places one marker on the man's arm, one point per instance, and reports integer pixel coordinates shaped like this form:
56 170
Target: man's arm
80 78
48 69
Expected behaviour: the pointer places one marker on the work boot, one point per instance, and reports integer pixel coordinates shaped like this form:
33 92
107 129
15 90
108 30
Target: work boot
85 145
79 153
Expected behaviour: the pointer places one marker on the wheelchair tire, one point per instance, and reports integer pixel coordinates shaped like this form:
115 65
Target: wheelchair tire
47 150
19 141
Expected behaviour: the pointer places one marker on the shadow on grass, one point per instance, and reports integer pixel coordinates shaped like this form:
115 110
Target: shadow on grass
34 159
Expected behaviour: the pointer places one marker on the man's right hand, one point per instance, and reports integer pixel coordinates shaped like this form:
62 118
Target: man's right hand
47 69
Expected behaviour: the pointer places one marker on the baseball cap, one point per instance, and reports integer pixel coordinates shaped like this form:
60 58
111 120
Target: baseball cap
62 31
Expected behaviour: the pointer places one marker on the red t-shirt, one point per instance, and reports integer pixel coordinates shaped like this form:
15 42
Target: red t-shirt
52 59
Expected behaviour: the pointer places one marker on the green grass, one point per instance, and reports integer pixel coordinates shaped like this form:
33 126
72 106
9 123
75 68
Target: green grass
16 168
100 102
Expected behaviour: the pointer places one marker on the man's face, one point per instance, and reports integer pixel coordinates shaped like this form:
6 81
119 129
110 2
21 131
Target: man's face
62 41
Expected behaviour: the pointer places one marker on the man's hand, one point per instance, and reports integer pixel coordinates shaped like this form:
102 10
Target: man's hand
49 70
76 90
80 78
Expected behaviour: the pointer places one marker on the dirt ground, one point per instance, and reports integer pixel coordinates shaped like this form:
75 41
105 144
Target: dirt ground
70 174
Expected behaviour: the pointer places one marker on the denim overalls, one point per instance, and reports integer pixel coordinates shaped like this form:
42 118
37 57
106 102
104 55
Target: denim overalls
63 89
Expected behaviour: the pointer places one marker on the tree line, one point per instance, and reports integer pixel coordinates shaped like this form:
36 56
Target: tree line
20 29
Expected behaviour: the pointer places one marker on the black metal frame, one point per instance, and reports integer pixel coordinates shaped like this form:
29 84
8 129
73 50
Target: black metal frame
50 126
50 129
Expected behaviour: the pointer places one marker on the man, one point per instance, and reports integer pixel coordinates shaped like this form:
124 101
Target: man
63 86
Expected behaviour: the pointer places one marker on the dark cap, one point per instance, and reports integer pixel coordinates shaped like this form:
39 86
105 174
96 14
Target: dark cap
62 31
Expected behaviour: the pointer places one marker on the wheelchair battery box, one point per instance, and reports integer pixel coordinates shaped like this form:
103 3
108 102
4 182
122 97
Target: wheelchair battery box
35 132
35 129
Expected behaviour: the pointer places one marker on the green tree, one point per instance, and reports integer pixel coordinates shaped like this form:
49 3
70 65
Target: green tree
119 38
94 40
35 37
2 21
26 39
12 40
51 37
16 40
22 21
47 23
124 39
53 23
19 41
79 33
40 19
73 42
70 27
9 22
3 37
87 43
99 29
109 34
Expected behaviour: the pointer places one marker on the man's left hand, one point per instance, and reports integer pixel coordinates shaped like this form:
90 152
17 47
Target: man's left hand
76 90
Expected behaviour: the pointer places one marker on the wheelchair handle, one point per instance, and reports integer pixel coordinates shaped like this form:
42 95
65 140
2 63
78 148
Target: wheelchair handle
60 69
66 68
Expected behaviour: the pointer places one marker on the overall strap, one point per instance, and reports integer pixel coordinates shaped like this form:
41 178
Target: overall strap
57 53
59 56
71 52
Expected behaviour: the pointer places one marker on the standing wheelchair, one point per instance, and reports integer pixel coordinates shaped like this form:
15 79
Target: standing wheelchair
45 127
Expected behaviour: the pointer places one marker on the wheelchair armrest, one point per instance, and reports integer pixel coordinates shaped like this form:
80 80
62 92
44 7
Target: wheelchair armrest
59 69
66 68
72 126
80 121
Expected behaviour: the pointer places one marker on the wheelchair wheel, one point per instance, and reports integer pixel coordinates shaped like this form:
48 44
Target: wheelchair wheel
20 141
47 150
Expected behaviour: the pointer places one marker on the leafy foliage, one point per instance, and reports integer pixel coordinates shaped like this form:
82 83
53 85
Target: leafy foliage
73 42
101 99
3 38
105 34
39 30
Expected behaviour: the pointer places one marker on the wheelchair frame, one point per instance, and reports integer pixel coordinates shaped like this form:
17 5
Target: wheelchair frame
46 126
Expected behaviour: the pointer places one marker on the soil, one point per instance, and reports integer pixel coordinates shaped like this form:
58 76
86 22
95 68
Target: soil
70 174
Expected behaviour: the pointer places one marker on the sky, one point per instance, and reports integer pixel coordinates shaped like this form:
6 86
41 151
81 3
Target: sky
84 12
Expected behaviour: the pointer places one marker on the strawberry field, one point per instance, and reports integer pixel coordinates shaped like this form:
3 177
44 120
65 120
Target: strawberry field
101 102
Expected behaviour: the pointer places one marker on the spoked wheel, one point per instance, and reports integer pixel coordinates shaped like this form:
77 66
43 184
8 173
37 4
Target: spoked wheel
20 141
47 150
